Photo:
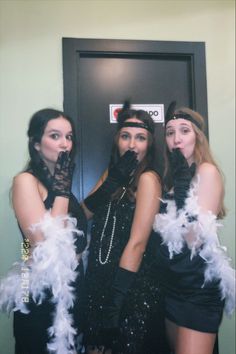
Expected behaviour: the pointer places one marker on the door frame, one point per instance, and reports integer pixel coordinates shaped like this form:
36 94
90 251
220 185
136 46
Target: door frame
75 48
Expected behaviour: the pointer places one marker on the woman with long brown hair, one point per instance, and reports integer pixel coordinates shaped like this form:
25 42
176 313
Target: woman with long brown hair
197 282
122 288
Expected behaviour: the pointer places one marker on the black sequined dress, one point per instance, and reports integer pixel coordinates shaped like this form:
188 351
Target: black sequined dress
141 322
30 330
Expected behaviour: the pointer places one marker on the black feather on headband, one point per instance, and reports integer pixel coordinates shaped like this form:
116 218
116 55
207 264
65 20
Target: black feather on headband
171 115
124 113
170 112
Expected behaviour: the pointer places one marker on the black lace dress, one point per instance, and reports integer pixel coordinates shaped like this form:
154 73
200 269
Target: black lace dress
30 330
141 324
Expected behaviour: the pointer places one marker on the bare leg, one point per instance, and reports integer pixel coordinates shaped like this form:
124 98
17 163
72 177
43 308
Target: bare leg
171 332
187 341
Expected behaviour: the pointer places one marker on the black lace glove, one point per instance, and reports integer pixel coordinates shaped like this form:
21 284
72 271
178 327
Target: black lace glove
62 178
110 332
43 174
182 175
118 175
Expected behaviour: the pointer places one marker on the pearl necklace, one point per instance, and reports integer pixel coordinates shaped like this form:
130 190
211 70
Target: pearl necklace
112 231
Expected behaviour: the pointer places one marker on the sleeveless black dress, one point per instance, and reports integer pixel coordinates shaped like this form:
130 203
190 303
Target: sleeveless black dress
141 325
189 301
30 330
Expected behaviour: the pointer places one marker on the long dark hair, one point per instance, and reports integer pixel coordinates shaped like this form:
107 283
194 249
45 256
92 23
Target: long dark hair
36 128
149 162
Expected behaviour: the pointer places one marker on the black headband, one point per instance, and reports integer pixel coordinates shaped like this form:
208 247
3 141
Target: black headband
184 116
171 115
137 125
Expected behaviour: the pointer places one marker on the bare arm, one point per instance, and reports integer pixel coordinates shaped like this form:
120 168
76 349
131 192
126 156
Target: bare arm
211 190
210 196
147 205
27 197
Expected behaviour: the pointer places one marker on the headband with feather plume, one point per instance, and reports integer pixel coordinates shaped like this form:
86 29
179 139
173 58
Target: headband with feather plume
170 114
127 113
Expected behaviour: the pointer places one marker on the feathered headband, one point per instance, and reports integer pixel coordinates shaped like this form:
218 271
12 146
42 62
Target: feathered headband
126 113
171 115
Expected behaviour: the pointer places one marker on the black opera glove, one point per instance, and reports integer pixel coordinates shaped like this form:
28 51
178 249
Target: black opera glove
119 175
121 172
182 175
63 173
112 310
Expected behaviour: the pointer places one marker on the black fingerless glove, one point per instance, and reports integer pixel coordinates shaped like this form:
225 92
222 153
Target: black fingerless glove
62 178
182 175
119 175
111 316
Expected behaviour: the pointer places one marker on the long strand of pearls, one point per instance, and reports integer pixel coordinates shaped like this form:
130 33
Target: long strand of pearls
112 232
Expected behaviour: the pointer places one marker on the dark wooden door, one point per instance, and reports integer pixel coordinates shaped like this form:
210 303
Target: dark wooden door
98 73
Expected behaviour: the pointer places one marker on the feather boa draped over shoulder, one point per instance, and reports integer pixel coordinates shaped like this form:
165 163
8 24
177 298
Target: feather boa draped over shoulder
52 266
175 228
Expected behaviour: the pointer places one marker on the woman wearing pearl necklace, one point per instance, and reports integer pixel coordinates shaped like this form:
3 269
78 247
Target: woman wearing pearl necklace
122 308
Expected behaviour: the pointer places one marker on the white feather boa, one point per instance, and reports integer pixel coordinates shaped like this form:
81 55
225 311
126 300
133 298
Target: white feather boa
175 228
52 265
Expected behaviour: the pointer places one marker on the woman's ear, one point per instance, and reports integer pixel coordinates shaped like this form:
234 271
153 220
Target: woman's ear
37 146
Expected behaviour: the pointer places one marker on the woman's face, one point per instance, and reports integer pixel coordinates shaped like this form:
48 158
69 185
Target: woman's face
134 139
57 137
180 134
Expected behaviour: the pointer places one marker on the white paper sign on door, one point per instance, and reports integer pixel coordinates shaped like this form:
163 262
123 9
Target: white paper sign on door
156 111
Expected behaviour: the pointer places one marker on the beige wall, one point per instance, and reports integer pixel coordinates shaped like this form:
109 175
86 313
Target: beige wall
31 78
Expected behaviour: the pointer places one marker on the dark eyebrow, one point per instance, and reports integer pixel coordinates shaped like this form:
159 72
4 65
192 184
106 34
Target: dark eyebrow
127 131
142 134
124 131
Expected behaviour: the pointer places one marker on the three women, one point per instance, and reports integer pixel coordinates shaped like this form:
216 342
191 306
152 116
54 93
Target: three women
193 280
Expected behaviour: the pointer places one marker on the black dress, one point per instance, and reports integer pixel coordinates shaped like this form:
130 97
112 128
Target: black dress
189 300
141 324
30 330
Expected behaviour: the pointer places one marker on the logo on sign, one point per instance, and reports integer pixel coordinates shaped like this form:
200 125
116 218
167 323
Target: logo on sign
156 111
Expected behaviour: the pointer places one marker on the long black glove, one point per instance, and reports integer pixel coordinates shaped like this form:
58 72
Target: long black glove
118 175
62 178
182 175
111 317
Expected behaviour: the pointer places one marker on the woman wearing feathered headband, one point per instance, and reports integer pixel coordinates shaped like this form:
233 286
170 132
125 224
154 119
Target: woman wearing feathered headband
196 279
45 289
122 289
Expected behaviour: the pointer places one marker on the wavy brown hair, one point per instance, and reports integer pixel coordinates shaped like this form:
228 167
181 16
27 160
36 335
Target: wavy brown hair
202 152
